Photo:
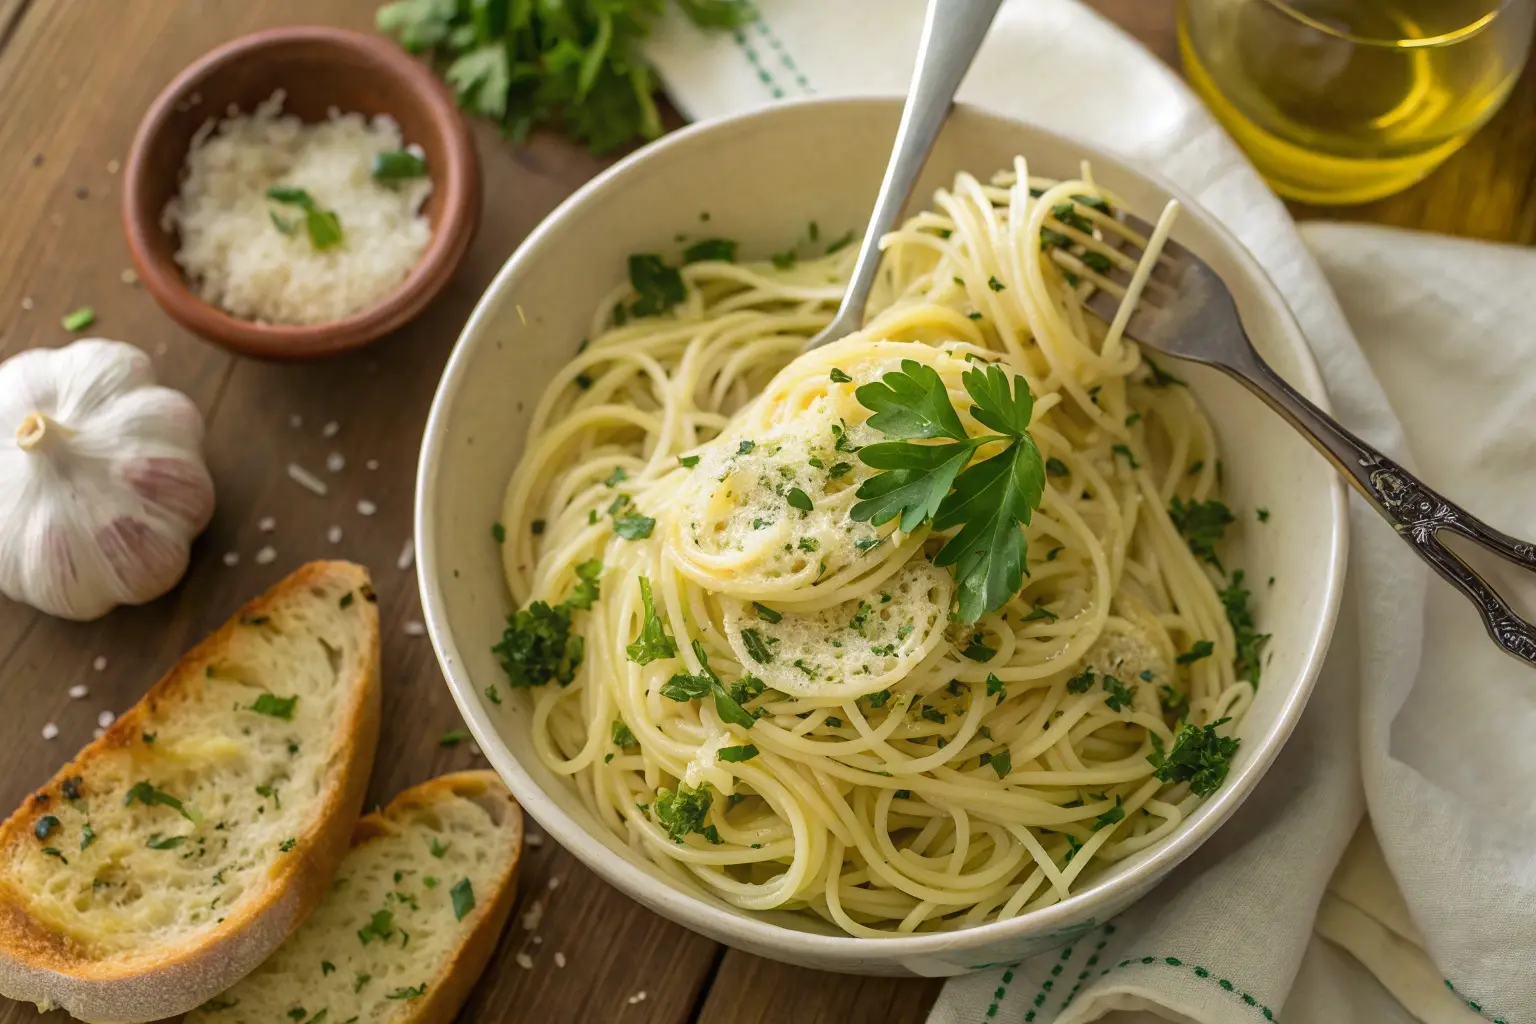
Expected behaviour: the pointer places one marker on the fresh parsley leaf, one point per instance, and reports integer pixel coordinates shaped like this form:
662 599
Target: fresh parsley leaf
996 687
1201 523
682 812
653 642
688 461
1096 261
737 754
839 377
767 614
879 698
1199 757
634 526
798 499
722 249
1082 682
453 737
978 651
463 895
911 403
688 686
381 926
622 737
1200 649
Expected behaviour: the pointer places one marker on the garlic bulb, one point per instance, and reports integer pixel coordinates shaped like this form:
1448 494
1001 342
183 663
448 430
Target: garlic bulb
103 487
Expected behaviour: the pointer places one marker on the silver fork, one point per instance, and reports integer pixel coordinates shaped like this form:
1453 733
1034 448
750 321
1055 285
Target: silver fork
1195 318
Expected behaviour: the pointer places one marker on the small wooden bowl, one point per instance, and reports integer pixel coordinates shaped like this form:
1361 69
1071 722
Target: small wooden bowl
318 68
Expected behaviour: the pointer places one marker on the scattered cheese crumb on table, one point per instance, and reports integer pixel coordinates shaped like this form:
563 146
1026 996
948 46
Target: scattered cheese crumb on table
231 558
372 463
333 535
525 961
638 997
266 524
407 556
295 421
79 691
559 959
331 429
307 480
414 628
335 462
366 507
50 731
266 556
105 719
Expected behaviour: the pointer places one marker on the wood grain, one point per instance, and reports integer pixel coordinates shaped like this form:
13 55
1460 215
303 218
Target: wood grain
74 79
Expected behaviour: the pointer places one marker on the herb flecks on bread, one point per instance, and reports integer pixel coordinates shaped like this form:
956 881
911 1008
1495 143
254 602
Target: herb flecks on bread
177 851
409 921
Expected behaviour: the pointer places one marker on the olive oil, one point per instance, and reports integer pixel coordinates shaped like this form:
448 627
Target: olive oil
1344 101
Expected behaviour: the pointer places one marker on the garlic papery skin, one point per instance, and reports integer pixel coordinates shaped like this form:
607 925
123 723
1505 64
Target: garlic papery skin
102 480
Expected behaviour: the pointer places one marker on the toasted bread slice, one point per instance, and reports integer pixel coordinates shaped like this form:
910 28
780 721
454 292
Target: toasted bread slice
408 924
177 852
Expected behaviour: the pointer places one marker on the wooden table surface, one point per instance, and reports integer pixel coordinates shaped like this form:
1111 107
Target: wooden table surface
75 76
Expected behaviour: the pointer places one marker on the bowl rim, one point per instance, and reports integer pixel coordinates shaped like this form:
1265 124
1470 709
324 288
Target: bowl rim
697 912
451 237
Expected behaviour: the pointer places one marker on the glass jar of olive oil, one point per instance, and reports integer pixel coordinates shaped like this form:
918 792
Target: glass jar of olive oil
1344 101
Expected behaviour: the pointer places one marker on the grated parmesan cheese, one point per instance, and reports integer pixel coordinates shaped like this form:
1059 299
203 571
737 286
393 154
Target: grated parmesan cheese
237 258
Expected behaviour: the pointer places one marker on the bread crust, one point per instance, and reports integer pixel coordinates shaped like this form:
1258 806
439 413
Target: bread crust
39 965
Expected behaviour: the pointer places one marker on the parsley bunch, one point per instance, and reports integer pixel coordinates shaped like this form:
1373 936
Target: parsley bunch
990 502
527 63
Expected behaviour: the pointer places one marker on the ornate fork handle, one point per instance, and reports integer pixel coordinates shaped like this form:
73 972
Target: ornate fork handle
1416 512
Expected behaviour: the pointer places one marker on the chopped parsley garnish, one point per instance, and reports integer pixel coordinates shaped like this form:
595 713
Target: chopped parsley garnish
1174 703
537 646
1068 215
53 851
995 284
1263 515
767 614
322 226
326 967
463 895
1096 261
398 165
87 835
270 792
633 526
978 651
1249 641
839 469
932 714
686 686
1040 612
809 544
438 848
1109 817
159 842
453 737
990 501
879 698
840 243
1053 239
1002 762
414 992
1200 649
617 477
1130 456
1120 695
746 447
1055 467
996 687
381 926
492 694
653 641
1158 377
800 500
737 754
784 260
585 592
722 249
1201 523
757 647
682 812
272 705
1082 682
657 286
1199 757
146 794
584 382
536 527
839 377
45 826
78 319
622 737
287 845
688 461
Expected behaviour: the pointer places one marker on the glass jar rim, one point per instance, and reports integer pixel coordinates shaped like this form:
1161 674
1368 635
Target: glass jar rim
1286 8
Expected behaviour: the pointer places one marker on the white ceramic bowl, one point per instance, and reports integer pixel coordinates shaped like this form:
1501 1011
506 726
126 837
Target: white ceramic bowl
762 177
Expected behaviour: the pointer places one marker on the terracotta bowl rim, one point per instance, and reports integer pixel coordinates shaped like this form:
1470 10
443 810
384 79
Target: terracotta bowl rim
457 182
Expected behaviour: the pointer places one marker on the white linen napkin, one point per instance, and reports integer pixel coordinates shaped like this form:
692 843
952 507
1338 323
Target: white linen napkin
1229 937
